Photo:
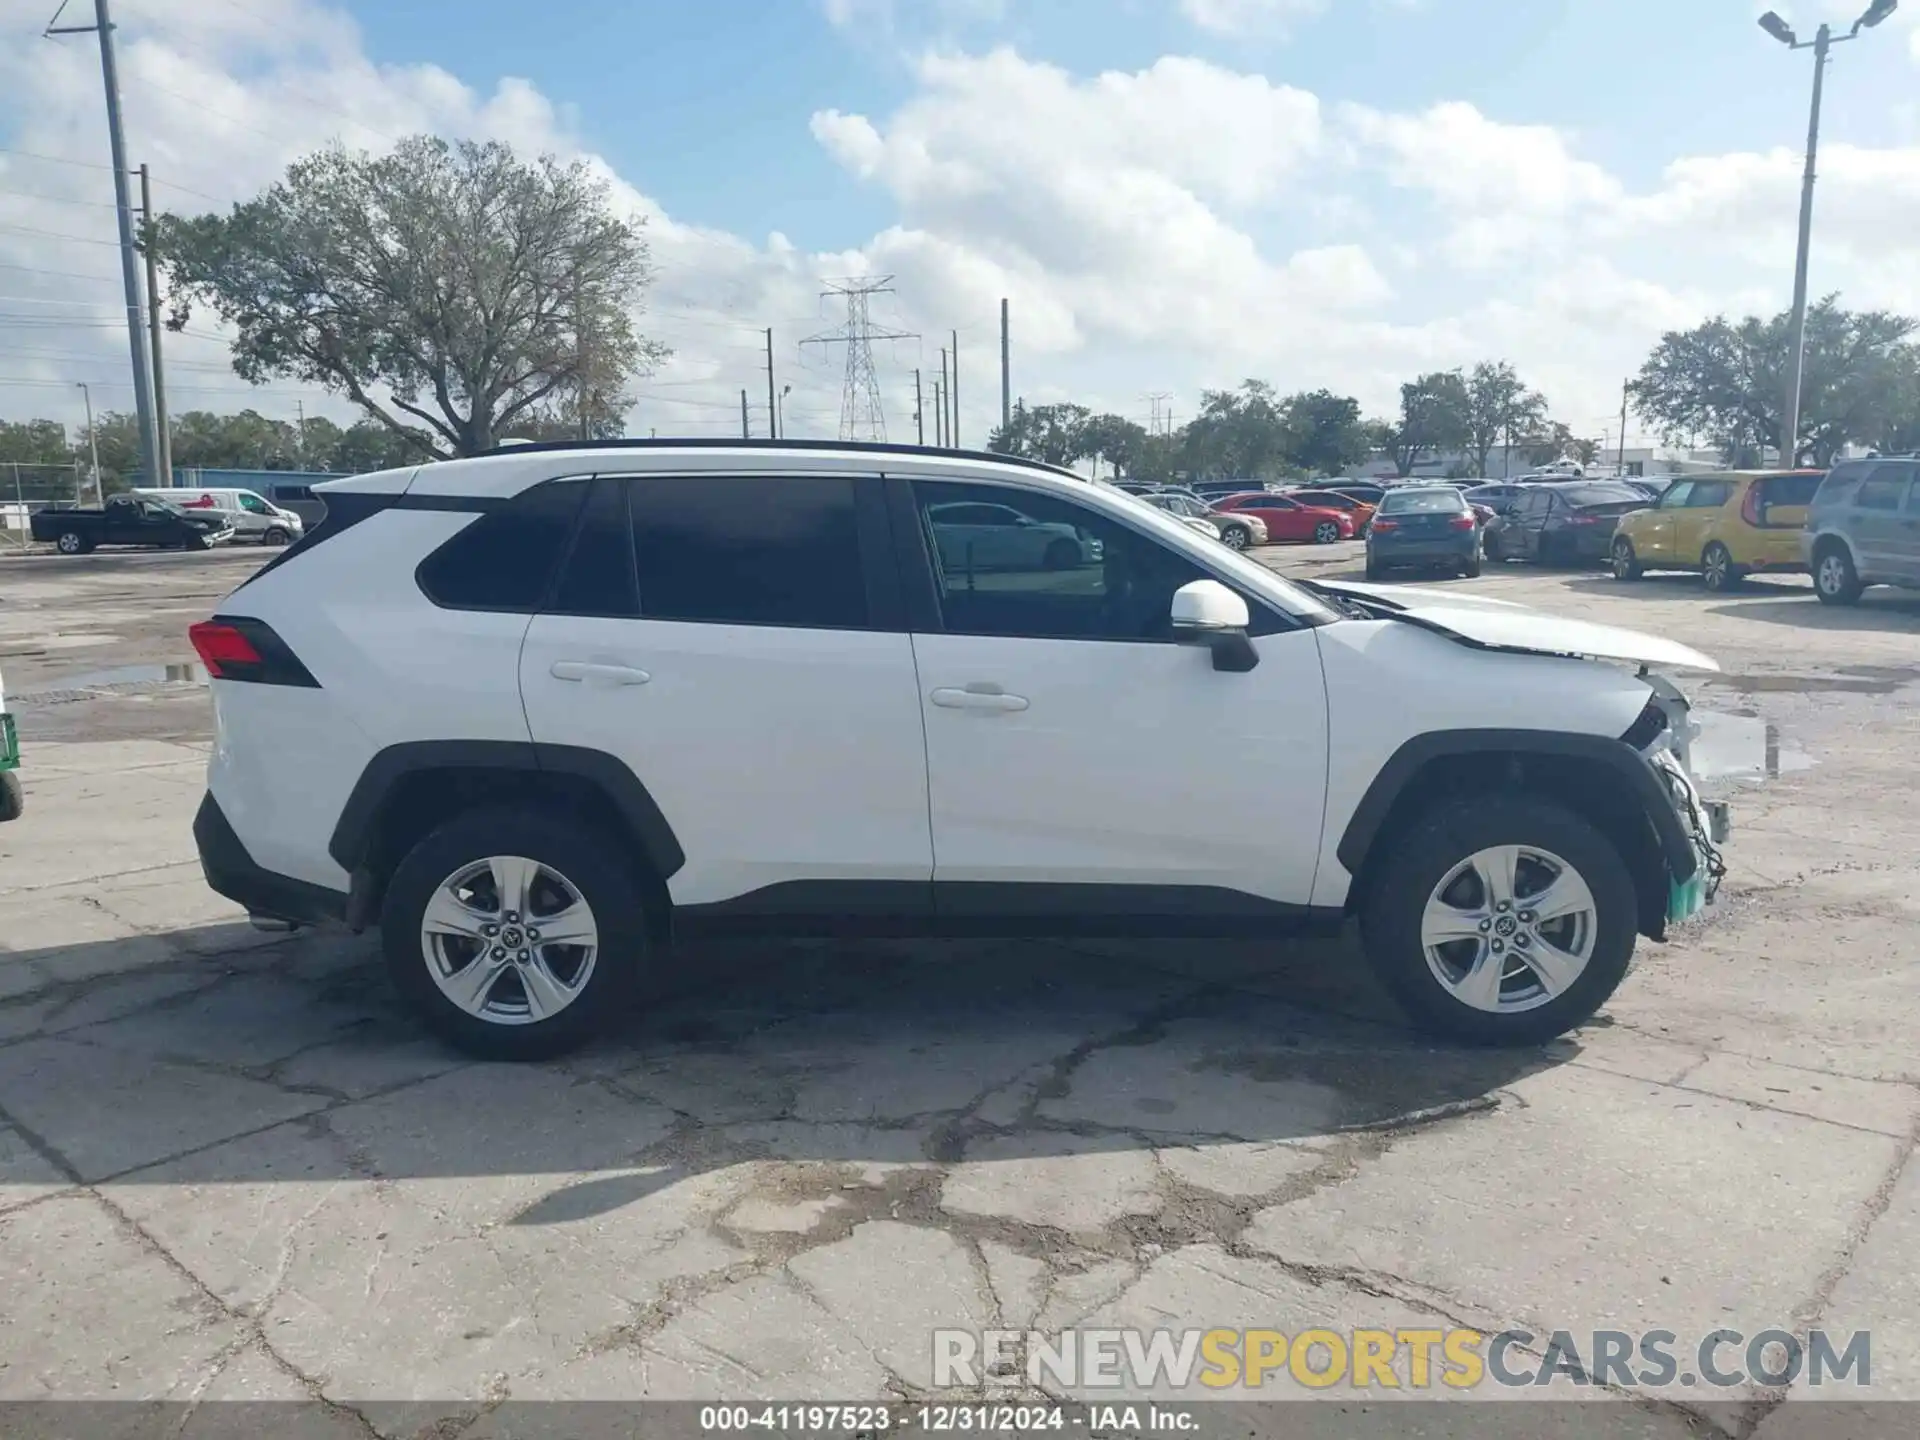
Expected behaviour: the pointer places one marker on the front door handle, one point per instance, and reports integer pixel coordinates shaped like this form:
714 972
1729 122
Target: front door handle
978 697
594 673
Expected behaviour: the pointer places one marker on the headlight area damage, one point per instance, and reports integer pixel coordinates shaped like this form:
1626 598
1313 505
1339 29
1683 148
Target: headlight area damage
1665 733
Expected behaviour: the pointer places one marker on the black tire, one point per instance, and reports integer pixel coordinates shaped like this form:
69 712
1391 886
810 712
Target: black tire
196 542
1718 573
1375 570
1430 849
1626 562
1835 580
13 798
1061 555
590 861
1325 533
1471 570
72 542
275 536
1236 537
1493 549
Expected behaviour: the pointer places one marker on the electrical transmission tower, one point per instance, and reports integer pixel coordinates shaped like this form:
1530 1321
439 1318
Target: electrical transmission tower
861 417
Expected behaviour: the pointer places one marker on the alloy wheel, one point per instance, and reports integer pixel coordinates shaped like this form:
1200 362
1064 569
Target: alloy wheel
1509 929
1236 538
1326 532
509 940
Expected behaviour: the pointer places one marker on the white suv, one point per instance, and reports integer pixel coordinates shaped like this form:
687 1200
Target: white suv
558 706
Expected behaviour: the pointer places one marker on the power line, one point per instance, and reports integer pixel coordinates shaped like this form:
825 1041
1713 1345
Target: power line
861 415
57 235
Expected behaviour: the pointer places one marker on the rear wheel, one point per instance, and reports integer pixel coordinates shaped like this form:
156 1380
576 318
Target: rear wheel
13 799
1501 920
1835 580
515 934
1325 533
1471 570
1626 564
1061 555
1375 570
1717 570
72 542
276 535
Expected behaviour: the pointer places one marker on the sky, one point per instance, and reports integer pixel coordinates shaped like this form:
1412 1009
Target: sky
1172 195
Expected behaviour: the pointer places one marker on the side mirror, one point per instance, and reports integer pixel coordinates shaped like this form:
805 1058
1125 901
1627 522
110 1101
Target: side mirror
1207 613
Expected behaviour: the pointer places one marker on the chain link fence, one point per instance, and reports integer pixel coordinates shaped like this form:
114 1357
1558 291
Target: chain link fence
26 489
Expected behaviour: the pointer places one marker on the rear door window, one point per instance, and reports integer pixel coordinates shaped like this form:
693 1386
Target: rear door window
1709 494
1885 488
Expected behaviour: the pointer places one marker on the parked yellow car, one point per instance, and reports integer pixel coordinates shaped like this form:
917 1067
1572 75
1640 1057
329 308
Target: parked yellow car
1725 526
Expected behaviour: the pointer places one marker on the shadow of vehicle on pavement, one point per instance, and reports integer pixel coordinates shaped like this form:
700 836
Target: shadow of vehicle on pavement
289 1061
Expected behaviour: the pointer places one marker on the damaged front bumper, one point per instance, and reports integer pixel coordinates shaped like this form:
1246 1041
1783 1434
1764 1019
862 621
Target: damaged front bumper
1707 823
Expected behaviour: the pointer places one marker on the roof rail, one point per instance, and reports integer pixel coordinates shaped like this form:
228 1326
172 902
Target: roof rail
710 442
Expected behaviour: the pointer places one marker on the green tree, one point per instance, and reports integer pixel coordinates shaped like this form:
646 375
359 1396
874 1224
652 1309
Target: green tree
246 441
1499 406
1056 434
1237 433
450 290
33 442
367 445
1548 441
1322 433
1115 439
1725 381
1433 417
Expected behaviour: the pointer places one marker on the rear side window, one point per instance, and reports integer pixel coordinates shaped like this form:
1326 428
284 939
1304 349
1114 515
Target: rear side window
749 550
597 576
1883 489
1788 489
1838 487
506 559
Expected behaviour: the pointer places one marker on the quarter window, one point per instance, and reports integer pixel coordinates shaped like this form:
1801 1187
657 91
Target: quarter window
505 559
749 550
1883 489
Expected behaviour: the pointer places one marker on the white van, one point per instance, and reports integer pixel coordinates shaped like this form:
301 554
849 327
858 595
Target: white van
254 517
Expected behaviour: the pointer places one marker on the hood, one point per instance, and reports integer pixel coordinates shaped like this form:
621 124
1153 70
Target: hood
1501 625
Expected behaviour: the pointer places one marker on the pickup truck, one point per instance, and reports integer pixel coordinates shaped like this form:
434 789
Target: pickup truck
130 520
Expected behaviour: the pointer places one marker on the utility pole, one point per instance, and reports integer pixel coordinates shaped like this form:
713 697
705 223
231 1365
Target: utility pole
942 392
861 415
1625 390
93 440
123 212
161 429
300 435
1006 371
919 411
773 401
745 434
939 415
953 394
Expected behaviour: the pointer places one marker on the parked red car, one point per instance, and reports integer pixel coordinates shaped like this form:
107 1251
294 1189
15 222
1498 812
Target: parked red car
1288 519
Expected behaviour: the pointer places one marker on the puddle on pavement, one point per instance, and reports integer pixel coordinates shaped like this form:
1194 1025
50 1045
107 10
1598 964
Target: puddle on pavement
178 674
1742 747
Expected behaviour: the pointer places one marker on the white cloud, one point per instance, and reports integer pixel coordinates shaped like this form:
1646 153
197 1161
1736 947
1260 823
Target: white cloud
1173 227
1249 17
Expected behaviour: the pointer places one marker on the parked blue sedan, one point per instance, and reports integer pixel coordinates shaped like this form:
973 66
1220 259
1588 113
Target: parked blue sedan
1426 527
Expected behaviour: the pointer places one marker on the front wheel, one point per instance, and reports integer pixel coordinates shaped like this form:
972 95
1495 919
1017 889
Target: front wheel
1717 570
1835 580
1237 537
1471 570
13 798
514 934
1626 564
1501 920
1325 533
72 542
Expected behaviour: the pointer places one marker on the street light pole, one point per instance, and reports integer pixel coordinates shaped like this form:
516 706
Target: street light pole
1823 41
93 440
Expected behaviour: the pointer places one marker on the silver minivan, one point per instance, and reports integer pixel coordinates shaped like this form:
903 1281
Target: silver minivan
1863 528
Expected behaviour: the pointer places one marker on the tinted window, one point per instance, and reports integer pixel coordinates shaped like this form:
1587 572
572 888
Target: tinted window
1883 489
1603 495
1425 502
1063 572
1837 488
1534 502
1709 494
1676 495
749 550
292 492
504 560
1788 489
597 576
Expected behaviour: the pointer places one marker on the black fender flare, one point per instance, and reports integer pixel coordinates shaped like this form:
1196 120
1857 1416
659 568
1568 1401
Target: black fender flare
353 832
1636 774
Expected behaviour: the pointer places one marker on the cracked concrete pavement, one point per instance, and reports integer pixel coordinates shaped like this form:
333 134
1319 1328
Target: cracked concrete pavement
230 1169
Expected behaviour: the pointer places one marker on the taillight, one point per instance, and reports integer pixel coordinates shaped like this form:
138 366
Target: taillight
241 648
1462 522
1750 506
1584 520
1381 527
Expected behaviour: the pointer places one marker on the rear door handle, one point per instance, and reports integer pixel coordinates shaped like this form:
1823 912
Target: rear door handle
594 673
978 697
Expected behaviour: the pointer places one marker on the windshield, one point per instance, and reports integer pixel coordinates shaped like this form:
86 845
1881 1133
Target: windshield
1439 501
